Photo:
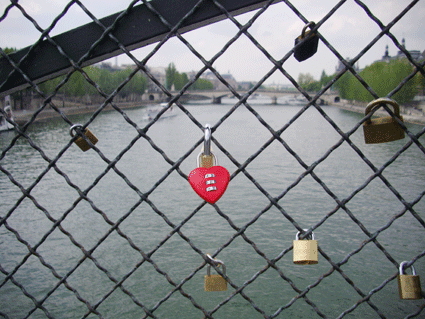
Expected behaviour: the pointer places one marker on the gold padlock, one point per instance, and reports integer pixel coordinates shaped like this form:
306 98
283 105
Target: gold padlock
305 251
384 129
215 282
80 141
409 286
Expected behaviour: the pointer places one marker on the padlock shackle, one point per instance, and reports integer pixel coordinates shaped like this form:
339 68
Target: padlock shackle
216 262
207 140
311 24
75 127
297 236
381 101
401 269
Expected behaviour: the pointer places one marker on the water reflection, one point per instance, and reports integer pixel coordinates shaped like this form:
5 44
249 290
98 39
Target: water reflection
148 225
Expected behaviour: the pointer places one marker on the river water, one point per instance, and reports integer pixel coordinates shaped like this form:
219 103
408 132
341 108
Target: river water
149 227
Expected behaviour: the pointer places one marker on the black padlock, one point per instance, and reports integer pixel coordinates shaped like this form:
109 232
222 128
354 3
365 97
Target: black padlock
310 43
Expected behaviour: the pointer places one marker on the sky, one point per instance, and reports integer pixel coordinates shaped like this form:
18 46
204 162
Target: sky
349 30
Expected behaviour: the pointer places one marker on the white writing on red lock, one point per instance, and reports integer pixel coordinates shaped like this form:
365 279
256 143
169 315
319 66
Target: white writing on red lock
209 182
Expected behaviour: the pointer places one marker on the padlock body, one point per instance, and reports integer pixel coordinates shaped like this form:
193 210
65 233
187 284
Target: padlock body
409 287
215 283
206 161
382 130
308 48
81 142
305 252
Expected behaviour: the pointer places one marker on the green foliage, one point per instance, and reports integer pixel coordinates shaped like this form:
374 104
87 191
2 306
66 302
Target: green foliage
308 83
180 80
173 77
107 80
325 79
202 84
9 50
383 78
170 76
420 80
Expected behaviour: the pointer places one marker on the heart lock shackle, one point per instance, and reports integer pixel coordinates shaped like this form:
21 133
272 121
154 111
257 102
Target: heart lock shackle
310 43
215 282
80 141
383 129
209 180
409 286
206 158
305 250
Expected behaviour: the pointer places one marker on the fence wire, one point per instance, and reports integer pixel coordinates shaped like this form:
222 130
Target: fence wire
175 229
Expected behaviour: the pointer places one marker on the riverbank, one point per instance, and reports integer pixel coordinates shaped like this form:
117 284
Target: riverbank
22 117
410 115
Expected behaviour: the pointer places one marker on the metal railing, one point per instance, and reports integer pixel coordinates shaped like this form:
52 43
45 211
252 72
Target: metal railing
105 38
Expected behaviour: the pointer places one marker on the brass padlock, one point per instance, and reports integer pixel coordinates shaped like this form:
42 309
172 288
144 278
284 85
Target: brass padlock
305 251
409 286
80 141
310 43
384 129
215 282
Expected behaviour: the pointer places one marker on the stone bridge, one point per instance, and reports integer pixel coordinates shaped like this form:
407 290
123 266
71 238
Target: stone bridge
216 96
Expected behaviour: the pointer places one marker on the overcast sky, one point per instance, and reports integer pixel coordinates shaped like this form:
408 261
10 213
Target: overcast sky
349 30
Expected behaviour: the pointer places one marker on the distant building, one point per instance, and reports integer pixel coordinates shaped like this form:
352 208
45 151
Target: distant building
341 66
415 54
159 74
245 85
218 85
108 66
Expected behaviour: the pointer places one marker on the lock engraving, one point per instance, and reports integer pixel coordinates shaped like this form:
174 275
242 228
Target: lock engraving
305 251
80 141
409 286
209 182
384 129
310 43
215 282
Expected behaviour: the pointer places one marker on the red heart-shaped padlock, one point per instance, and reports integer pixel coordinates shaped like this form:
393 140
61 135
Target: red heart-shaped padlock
209 183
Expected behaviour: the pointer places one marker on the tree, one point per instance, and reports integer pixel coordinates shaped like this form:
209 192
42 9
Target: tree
137 84
420 79
9 50
170 76
382 77
308 83
202 84
325 79
180 80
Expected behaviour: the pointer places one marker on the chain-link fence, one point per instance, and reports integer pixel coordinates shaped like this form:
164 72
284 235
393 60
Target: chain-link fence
99 264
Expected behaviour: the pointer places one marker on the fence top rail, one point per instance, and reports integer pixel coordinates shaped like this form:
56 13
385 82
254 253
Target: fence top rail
139 28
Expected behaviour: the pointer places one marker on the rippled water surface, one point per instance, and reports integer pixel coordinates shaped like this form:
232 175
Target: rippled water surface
137 265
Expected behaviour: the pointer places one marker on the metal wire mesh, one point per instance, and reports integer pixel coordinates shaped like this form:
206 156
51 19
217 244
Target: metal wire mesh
175 229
